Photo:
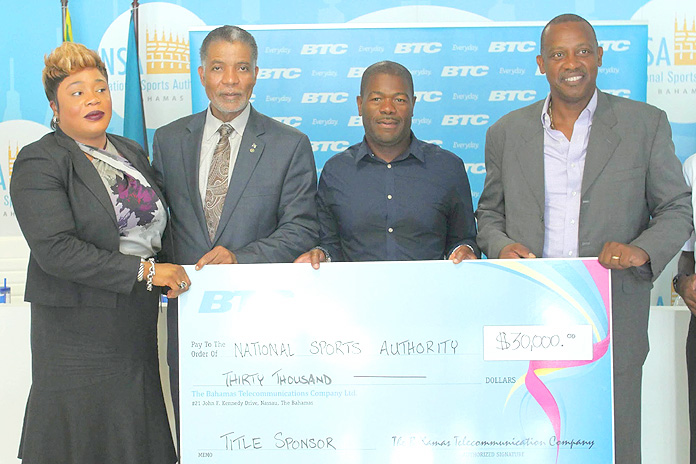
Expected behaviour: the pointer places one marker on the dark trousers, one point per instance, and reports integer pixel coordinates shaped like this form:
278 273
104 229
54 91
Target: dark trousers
173 361
691 373
627 401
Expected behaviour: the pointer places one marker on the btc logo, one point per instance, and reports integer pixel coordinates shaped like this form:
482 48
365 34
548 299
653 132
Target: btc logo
355 121
279 73
512 95
293 121
325 97
419 47
475 71
355 72
338 145
500 47
615 45
428 96
324 49
465 119
475 168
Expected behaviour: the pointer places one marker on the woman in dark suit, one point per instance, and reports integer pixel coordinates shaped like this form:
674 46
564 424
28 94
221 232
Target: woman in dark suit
93 217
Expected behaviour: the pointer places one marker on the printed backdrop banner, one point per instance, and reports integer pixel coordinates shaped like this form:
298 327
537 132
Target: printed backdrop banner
166 65
466 77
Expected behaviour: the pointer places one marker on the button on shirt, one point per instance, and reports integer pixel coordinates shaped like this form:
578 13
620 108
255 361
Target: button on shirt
564 163
210 140
417 207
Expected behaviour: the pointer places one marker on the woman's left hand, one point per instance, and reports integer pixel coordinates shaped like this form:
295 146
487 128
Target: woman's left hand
172 276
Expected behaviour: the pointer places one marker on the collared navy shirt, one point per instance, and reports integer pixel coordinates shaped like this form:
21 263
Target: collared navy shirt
417 207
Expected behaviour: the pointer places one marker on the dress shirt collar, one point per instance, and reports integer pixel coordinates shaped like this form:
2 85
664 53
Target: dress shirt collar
415 149
212 124
589 110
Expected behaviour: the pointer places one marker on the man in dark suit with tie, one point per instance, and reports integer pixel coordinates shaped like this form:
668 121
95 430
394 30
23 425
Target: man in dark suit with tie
584 173
240 186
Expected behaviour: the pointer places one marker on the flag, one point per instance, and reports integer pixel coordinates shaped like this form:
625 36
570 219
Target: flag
133 114
67 24
67 29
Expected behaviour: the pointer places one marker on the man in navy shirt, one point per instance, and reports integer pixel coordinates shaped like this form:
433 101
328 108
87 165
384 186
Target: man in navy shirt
393 197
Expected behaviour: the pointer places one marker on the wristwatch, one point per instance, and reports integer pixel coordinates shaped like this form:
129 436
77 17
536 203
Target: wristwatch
675 281
326 253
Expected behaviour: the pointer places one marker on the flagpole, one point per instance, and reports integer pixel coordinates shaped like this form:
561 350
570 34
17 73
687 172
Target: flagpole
64 12
134 126
134 8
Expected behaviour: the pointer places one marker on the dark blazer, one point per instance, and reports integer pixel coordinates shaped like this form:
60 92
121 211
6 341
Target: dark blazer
269 214
69 222
633 191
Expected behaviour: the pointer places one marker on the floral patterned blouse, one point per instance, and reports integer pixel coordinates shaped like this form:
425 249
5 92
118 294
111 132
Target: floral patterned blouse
139 212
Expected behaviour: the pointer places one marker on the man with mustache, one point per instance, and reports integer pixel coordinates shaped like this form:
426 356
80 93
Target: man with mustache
241 186
393 197
584 173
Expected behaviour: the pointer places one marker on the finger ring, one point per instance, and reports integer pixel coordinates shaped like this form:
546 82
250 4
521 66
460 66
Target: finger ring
183 285
615 257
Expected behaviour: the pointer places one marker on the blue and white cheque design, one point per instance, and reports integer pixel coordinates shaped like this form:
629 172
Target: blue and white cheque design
415 362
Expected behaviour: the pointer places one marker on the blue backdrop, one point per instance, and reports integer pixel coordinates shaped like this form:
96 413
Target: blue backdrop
446 112
465 79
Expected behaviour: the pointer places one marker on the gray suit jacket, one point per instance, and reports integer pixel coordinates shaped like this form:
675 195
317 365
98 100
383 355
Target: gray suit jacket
270 212
632 192
69 222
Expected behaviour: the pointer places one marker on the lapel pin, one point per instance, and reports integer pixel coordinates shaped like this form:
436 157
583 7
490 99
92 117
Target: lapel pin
253 147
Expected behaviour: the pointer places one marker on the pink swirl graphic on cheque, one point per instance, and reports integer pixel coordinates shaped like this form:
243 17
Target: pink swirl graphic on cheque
534 384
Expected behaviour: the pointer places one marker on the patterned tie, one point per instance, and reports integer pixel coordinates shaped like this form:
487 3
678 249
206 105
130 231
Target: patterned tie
218 179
